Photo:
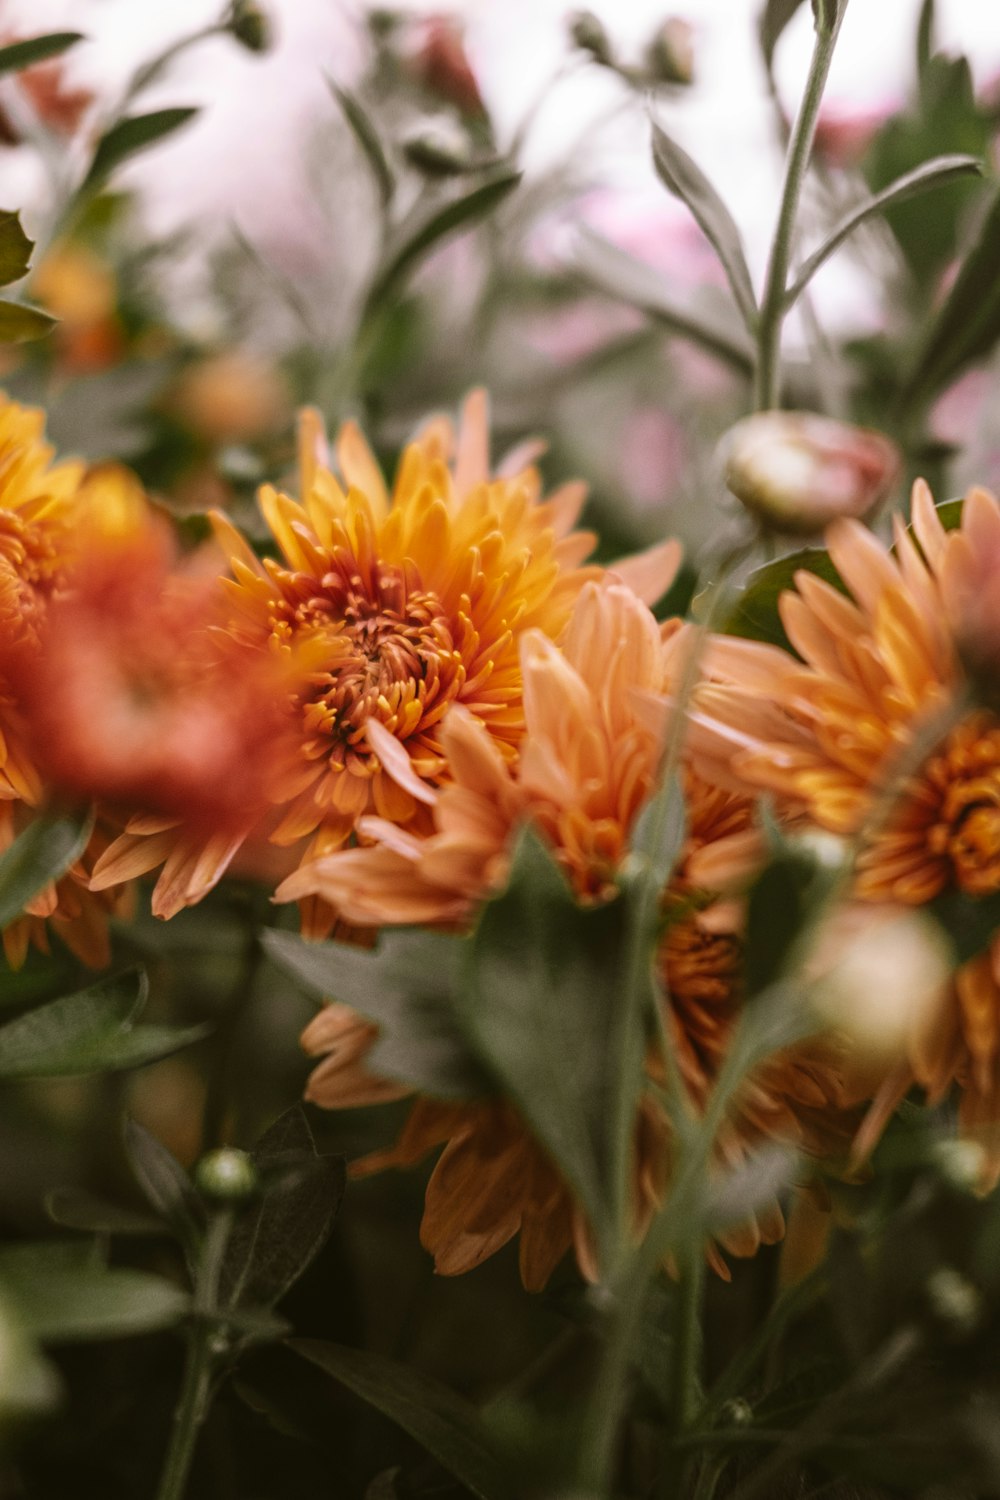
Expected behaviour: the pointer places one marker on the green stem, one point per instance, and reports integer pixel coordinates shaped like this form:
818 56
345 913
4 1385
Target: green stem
767 384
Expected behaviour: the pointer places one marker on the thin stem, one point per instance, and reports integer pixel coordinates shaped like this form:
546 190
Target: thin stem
767 384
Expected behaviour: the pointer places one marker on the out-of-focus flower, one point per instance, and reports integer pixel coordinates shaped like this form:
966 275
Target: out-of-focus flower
824 734
844 132
231 397
56 104
587 764
443 68
670 53
798 472
78 287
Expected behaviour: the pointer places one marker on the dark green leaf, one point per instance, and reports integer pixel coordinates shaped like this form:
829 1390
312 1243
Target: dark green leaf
755 616
167 1187
418 239
934 173
970 923
543 1009
19 323
37 49
692 315
660 830
276 1237
15 248
43 852
925 36
966 326
448 1427
773 20
74 1208
684 178
775 915
90 1032
407 985
131 135
61 1293
367 138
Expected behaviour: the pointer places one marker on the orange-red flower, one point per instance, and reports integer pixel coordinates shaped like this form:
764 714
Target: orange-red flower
587 765
405 604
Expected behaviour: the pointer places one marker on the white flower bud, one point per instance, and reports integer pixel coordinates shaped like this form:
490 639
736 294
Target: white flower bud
227 1176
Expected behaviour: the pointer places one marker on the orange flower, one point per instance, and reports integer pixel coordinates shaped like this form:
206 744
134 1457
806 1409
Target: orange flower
405 604
824 735
588 763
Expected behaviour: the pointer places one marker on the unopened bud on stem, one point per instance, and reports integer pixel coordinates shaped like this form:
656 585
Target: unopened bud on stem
588 33
227 1176
670 54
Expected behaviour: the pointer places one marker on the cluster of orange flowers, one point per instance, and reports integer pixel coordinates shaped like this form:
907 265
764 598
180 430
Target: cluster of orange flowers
371 714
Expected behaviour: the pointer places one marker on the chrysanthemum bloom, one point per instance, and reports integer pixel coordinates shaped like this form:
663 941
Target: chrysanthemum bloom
45 511
405 604
587 765
826 736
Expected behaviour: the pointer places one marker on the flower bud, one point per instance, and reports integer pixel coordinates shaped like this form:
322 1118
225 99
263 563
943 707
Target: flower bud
797 472
227 1176
954 1302
670 54
438 148
736 1412
879 975
443 67
962 1164
588 33
250 26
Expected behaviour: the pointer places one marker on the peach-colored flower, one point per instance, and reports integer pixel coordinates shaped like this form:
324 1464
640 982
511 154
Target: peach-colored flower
588 763
405 604
823 736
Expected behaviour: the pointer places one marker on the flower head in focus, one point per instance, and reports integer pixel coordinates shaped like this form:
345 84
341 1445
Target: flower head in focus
588 763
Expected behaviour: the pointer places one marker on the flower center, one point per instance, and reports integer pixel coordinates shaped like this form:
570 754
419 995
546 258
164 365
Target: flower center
966 776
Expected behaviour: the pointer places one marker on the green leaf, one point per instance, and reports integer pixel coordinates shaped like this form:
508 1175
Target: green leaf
29 1384
966 326
755 615
74 1208
43 852
774 18
692 315
934 173
129 136
167 1187
89 1032
925 37
15 248
449 1427
684 178
542 1009
775 915
419 238
660 830
61 1294
367 138
275 1238
37 49
408 986
19 323
970 923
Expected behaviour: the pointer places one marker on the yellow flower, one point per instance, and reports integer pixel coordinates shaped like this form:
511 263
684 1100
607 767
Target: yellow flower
403 605
824 735
588 763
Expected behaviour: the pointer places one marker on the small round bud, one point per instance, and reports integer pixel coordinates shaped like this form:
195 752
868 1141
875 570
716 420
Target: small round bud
737 1412
954 1301
250 26
227 1176
670 54
443 67
382 22
798 472
962 1164
588 33
438 148
825 851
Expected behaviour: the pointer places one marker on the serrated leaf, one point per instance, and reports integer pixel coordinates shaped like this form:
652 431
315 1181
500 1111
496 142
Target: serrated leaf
15 248
131 135
773 19
449 1427
419 238
682 176
37 49
755 615
20 324
167 1187
275 1238
966 326
42 853
407 986
542 1008
61 1294
89 1032
367 138
934 173
692 315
